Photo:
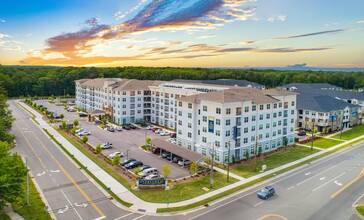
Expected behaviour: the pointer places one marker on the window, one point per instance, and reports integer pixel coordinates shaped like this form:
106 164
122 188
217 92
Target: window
292 103
180 104
274 124
228 111
228 122
180 113
203 151
280 114
252 138
218 111
261 117
189 115
246 109
279 123
204 129
227 134
253 128
268 116
274 114
292 120
198 122
245 140
267 135
260 127
189 125
179 122
267 125
218 122
292 112
261 107
217 132
280 104
279 131
274 133
124 99
275 105
260 136
268 106
246 119
189 134
204 108
204 119
246 130
254 108
217 144
253 118
189 105
238 111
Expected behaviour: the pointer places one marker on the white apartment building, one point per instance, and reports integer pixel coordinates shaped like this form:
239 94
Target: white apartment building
246 118
164 95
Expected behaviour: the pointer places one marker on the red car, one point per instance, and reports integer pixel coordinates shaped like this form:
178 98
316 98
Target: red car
155 129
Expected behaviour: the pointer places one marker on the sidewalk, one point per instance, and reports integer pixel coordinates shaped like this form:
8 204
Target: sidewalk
139 204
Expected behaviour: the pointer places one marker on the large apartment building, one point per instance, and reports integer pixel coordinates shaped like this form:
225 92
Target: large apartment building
245 118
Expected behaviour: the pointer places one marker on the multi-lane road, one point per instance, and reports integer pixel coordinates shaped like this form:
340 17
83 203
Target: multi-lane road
324 189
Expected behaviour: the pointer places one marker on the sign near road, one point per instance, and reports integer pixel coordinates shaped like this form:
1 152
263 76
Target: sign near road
161 182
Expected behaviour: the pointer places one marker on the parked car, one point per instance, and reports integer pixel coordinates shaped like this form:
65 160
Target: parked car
158 131
83 133
132 126
173 135
111 129
118 128
153 177
156 150
79 130
301 133
148 172
82 115
106 145
149 127
144 167
126 161
133 164
154 129
176 159
266 192
172 140
164 133
117 153
126 127
72 110
165 154
184 163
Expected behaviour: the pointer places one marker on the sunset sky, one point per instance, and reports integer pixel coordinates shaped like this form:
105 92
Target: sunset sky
185 33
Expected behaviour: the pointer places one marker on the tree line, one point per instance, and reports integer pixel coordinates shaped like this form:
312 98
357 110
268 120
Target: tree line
59 81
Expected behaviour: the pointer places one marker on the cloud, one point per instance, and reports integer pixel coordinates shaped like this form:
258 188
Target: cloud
207 36
291 50
120 15
93 21
309 34
299 65
2 21
360 22
277 18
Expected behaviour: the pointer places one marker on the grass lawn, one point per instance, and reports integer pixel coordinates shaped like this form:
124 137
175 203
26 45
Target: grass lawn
35 209
352 133
324 143
360 209
179 192
273 161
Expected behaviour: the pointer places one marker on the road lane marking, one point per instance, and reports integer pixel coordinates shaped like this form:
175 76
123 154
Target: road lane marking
258 204
102 217
124 216
320 173
78 214
290 188
328 182
322 178
138 217
306 174
272 215
337 183
63 170
361 174
41 174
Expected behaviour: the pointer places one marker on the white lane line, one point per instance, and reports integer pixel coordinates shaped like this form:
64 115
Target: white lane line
290 188
328 182
71 205
257 204
138 217
102 217
320 173
124 216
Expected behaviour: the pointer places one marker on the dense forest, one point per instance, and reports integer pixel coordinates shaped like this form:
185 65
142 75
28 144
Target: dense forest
20 81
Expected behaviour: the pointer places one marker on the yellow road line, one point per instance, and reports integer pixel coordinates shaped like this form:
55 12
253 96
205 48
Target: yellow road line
361 174
65 172
272 215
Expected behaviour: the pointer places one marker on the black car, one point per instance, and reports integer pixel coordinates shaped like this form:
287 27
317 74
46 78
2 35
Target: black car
301 133
266 192
144 167
82 115
133 164
126 161
126 127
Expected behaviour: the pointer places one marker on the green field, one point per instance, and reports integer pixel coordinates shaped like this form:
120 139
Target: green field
360 209
273 161
352 133
324 143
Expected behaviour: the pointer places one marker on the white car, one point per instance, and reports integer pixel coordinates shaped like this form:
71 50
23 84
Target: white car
117 153
153 177
184 163
164 133
106 145
150 127
172 140
118 128
80 130
83 133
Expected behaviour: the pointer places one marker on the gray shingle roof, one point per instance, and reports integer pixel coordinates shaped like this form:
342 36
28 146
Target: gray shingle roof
321 103
226 82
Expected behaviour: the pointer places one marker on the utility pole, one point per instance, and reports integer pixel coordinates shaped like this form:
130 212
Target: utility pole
27 178
313 131
228 163
212 152
255 153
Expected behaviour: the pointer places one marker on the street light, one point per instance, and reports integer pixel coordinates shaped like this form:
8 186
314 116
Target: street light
127 153
313 130
212 153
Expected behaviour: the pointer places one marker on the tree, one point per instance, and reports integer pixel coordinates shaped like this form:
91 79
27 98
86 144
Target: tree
193 167
166 170
98 148
51 117
84 139
260 151
104 121
12 175
61 116
64 125
247 155
6 120
75 123
147 140
73 131
116 160
136 170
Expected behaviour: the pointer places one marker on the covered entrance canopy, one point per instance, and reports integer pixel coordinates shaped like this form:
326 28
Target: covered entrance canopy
95 113
176 150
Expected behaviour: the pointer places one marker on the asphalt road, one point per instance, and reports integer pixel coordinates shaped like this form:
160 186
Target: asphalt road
127 141
69 193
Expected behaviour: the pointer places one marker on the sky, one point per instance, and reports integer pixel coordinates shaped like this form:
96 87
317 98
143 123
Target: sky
183 33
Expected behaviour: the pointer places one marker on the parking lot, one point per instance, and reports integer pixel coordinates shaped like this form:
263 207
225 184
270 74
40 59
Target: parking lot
126 141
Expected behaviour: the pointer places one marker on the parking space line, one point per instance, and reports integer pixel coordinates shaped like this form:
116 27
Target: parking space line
124 216
258 204
138 217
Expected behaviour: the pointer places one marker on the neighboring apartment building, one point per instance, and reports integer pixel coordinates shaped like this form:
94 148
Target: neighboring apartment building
246 118
326 113
225 82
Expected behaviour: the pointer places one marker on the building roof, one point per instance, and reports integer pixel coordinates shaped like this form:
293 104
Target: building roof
98 82
97 112
321 103
176 149
135 85
225 82
278 92
312 86
232 95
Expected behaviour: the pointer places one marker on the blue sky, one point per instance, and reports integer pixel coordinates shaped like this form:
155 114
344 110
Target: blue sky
187 33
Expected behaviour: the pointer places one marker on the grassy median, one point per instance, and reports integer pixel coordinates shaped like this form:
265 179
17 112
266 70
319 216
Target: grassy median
324 143
352 133
360 209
